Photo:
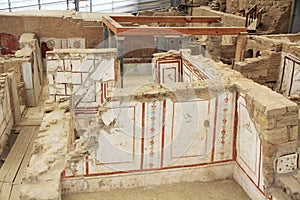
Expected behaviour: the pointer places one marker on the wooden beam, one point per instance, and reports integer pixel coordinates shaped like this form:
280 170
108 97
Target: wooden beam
180 30
166 19
111 24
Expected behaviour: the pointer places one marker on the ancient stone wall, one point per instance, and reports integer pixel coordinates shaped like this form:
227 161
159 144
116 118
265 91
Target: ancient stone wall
59 27
275 119
15 64
6 115
227 19
262 59
233 6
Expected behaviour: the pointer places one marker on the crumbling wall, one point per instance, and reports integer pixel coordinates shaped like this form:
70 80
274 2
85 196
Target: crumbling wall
233 6
15 65
227 19
6 115
42 176
86 76
261 61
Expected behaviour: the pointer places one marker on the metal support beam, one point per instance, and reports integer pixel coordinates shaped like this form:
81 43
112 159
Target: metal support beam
185 40
39 4
91 5
111 39
105 36
160 43
9 5
76 5
120 52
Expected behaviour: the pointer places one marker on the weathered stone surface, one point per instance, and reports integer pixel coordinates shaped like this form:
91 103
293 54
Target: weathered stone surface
42 177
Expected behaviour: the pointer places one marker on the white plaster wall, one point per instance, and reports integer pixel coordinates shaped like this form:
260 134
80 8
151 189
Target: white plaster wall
160 135
248 170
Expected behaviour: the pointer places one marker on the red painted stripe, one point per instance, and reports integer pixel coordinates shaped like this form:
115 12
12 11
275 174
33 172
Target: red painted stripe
143 136
235 127
259 166
163 133
87 165
153 169
250 178
215 130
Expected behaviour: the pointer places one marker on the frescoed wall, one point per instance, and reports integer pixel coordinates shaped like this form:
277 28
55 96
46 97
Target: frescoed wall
290 75
157 134
249 148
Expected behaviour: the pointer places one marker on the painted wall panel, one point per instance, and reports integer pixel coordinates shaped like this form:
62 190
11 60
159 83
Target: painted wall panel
248 144
153 135
27 74
224 146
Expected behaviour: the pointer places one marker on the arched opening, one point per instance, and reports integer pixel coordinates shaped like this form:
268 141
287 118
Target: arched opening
249 53
257 54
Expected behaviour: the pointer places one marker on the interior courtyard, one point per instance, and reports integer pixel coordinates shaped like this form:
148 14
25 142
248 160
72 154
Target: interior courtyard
150 100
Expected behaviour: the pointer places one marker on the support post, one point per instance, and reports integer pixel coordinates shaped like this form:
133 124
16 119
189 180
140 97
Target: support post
185 40
105 36
160 43
76 5
9 5
120 50
240 46
111 39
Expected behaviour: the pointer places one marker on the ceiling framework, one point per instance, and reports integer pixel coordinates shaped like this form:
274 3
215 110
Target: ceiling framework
117 28
114 24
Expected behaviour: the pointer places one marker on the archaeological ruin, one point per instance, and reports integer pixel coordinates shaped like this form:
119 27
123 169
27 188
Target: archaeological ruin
149 94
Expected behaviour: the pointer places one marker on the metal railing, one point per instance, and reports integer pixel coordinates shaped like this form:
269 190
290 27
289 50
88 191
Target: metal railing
129 6
252 14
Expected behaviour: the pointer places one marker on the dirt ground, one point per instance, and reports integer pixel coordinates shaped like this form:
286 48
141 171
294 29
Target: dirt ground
216 190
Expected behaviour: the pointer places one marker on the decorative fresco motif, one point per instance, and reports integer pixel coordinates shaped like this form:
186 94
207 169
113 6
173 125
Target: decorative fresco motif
248 144
153 136
8 44
63 43
287 163
169 71
224 130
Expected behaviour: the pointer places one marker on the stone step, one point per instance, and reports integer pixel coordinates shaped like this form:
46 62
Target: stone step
291 186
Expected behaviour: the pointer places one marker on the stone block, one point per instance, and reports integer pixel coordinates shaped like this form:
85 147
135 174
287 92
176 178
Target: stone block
276 136
287 120
293 132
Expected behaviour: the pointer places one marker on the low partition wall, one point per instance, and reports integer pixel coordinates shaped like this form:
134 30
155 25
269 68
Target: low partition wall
222 127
